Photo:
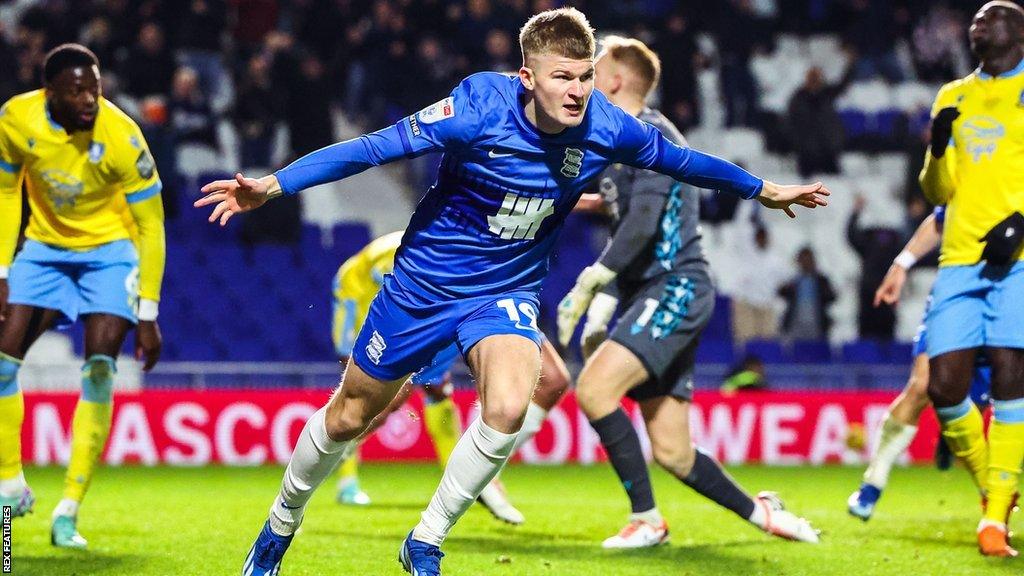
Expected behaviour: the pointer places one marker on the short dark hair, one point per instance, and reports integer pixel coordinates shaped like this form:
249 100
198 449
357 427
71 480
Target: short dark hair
67 56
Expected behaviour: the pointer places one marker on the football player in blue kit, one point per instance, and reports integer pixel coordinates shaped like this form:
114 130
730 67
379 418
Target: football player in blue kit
519 151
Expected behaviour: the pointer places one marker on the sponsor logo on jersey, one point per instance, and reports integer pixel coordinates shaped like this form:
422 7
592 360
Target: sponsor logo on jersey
981 136
438 111
96 150
519 217
145 165
414 125
64 189
572 163
375 349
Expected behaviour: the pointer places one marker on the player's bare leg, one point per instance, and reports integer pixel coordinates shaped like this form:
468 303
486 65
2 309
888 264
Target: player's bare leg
1006 450
324 438
23 326
668 425
894 435
90 426
506 368
348 488
608 375
613 371
554 381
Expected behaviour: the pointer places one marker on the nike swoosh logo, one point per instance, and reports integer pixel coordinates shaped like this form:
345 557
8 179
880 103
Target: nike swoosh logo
493 154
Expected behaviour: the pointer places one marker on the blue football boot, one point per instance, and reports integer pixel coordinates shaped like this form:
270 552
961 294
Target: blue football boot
419 558
265 556
862 502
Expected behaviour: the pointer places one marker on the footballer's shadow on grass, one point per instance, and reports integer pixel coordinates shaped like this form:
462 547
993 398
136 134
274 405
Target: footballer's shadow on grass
78 562
676 555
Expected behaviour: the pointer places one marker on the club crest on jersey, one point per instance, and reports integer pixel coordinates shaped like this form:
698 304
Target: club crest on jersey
572 163
96 150
437 111
375 349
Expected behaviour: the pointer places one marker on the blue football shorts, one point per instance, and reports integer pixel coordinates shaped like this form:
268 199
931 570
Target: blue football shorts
103 280
406 331
976 306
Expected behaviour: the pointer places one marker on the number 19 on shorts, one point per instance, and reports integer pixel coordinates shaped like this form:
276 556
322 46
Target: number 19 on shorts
516 313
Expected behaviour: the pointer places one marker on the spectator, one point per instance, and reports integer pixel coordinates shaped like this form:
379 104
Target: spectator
877 247
815 130
872 34
747 376
189 110
149 68
738 32
255 113
500 56
199 27
753 299
939 51
677 47
808 297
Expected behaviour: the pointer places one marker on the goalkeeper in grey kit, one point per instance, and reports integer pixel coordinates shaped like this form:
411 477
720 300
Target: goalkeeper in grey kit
654 273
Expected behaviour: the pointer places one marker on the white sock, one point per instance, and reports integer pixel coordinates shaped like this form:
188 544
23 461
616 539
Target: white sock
13 486
476 459
313 460
758 517
893 440
532 422
652 516
66 507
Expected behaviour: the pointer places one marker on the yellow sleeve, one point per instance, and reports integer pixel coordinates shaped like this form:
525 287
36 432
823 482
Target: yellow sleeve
10 188
938 177
142 186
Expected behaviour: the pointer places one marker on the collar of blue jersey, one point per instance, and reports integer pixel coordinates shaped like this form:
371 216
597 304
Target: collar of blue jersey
1008 74
532 132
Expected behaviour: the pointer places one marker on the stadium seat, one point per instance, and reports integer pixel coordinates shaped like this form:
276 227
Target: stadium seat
811 352
715 351
768 351
899 352
863 352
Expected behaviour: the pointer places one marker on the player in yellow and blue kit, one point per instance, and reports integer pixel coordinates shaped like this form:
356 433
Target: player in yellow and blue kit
519 150
355 285
94 248
975 165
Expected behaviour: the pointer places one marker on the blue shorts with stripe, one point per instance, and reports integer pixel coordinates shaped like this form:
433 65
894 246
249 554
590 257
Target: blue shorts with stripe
406 331
103 280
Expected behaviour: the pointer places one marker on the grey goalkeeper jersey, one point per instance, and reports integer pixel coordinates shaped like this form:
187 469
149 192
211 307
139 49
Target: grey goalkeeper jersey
655 228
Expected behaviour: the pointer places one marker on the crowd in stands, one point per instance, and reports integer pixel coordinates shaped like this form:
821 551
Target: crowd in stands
183 68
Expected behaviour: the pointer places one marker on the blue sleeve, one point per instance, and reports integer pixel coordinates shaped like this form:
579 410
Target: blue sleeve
443 125
341 160
643 146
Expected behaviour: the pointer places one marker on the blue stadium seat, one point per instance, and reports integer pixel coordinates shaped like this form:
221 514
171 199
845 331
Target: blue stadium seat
768 351
811 352
715 351
863 352
899 352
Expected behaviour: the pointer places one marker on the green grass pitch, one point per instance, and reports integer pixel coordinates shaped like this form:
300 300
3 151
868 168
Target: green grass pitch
161 521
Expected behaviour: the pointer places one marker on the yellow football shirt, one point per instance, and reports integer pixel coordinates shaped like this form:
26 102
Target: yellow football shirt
981 175
85 189
360 277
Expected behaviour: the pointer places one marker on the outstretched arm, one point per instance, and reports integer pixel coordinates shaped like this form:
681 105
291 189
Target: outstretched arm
644 146
925 239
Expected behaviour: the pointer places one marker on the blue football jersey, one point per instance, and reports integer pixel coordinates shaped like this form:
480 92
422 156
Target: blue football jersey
503 188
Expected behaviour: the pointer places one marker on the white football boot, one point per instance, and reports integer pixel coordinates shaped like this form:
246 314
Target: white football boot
783 523
494 498
638 534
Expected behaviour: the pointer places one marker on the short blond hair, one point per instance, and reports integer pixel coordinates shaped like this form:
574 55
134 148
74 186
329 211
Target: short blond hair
636 56
562 32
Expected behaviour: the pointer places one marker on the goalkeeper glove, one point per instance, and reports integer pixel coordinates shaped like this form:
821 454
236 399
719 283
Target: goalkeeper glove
942 130
595 329
575 303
